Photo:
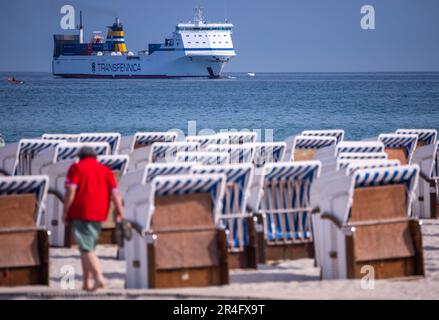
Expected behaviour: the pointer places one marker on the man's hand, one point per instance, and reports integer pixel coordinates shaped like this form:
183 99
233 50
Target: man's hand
117 199
68 200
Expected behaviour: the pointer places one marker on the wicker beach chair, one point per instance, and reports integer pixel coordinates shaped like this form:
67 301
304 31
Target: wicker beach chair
426 204
112 138
280 199
305 147
24 249
338 134
208 140
61 136
178 244
242 153
399 146
203 158
166 152
239 137
239 224
266 152
365 221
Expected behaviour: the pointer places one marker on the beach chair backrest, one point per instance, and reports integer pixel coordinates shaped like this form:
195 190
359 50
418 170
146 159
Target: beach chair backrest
425 136
61 136
22 200
268 152
399 146
282 193
305 147
69 150
338 134
203 158
382 193
112 138
207 140
239 137
146 139
359 146
352 165
165 152
238 181
28 149
243 153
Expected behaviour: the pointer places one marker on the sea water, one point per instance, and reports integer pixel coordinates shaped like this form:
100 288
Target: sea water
363 104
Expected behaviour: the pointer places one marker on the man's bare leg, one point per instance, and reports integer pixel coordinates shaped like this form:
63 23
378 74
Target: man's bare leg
96 269
87 274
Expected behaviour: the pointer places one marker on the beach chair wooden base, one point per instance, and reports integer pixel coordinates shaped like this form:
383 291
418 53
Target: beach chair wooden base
304 154
402 259
24 257
188 250
248 257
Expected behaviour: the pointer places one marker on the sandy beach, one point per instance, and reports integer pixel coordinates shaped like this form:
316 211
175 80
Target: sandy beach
297 279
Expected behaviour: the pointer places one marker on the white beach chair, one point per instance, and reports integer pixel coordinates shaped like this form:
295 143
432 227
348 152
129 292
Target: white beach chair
239 224
130 144
178 243
24 250
203 158
399 146
426 204
166 152
268 152
353 165
61 136
338 134
8 158
305 148
208 140
364 221
240 137
112 138
243 153
280 198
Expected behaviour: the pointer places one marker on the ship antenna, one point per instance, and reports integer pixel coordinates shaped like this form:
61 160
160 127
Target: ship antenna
198 15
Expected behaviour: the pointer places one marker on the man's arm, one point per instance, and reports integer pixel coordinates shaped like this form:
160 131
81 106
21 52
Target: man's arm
117 200
68 200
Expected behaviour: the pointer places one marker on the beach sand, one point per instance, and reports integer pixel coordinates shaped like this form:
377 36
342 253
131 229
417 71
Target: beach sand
297 279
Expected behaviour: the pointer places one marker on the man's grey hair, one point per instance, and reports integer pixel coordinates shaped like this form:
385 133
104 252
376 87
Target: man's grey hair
86 151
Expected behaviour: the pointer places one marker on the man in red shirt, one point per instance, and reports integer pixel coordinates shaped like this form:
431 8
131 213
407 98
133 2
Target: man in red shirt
90 186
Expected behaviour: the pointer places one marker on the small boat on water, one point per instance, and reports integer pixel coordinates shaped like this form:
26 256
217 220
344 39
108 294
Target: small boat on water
251 74
15 81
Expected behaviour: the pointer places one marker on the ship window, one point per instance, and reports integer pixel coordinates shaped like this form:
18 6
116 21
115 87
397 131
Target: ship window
197 42
189 42
214 42
187 35
204 42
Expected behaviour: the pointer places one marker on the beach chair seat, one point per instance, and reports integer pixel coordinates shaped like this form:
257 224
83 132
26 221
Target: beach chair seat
203 158
268 152
112 138
399 146
280 199
365 221
179 244
426 203
242 153
239 137
24 249
208 140
61 136
238 222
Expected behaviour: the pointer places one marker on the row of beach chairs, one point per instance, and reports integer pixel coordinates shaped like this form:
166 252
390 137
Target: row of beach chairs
210 203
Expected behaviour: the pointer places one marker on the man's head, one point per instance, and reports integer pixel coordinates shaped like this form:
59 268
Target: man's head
86 152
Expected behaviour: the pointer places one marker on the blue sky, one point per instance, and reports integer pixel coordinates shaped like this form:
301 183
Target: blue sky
275 35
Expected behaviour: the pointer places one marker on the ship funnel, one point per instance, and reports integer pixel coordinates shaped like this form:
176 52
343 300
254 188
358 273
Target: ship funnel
116 37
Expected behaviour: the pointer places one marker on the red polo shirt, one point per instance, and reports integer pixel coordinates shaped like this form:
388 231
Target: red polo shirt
94 183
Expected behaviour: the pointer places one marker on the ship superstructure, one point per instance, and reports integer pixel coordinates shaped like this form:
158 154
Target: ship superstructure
195 49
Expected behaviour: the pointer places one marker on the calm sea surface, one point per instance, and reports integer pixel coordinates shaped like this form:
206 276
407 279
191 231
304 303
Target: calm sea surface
363 104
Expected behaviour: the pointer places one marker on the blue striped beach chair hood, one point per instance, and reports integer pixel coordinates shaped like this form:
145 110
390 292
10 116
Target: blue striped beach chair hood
162 152
69 150
115 162
208 140
203 158
352 166
243 153
338 134
61 136
361 156
359 146
27 150
148 138
269 152
239 137
112 138
427 136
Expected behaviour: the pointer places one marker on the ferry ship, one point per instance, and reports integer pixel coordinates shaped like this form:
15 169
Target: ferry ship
195 49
